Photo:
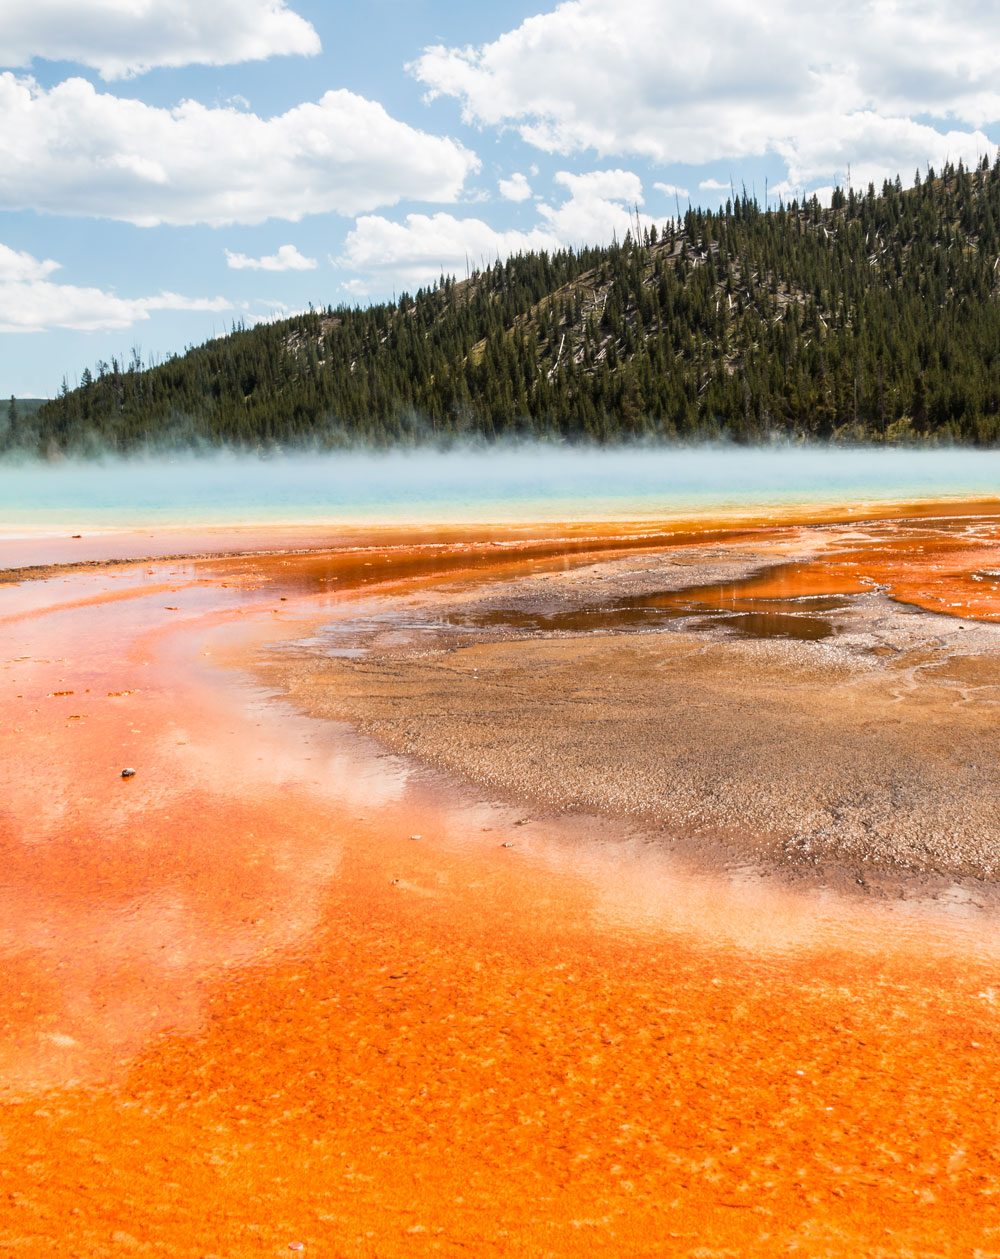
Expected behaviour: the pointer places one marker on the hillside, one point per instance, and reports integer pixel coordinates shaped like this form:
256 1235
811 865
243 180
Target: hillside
876 319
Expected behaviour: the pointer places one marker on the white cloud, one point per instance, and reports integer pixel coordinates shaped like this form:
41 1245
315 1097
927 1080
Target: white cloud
713 185
19 267
516 188
417 251
672 190
275 308
599 207
73 150
274 311
357 287
862 143
119 38
287 258
820 85
610 185
31 302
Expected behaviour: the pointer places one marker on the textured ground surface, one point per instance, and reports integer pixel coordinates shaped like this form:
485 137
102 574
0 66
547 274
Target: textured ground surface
873 745
282 989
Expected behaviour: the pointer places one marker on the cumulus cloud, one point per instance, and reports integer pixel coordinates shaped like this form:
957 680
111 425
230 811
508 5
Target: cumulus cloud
516 188
608 185
419 250
119 38
20 267
602 204
599 205
672 190
273 311
74 150
862 143
822 85
287 258
31 302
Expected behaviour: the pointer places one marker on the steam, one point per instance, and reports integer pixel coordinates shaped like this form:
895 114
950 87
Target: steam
536 482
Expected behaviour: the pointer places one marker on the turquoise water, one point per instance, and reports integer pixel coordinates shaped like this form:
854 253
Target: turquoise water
540 483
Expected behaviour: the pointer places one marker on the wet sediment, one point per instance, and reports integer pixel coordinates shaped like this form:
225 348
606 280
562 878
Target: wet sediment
704 692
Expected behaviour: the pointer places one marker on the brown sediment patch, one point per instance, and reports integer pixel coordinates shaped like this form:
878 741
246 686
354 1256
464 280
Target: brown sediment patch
861 738
241 1007
858 761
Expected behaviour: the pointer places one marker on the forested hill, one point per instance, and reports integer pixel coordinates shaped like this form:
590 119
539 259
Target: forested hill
876 319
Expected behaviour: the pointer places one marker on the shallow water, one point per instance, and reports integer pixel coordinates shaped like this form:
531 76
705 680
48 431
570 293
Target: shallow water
936 563
750 618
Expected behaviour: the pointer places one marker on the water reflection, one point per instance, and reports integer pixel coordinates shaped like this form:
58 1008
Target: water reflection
712 606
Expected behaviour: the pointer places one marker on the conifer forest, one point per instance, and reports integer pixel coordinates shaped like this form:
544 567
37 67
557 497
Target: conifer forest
875 319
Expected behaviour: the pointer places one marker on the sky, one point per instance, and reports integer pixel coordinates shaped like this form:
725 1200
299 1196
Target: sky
170 168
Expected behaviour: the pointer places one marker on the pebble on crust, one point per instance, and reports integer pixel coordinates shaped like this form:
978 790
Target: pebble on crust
128 773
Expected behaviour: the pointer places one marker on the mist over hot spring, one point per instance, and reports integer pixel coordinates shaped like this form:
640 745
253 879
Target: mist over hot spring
498 484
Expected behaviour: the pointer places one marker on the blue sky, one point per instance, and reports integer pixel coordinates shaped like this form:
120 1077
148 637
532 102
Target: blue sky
169 168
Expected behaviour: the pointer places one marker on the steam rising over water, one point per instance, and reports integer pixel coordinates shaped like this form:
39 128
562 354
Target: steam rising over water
496 485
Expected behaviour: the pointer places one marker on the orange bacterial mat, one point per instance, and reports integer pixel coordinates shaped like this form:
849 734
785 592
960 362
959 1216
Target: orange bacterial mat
280 992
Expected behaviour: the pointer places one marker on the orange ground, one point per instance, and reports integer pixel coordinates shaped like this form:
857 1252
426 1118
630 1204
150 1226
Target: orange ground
241 1006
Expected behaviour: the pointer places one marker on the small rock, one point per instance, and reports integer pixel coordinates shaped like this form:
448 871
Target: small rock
296 1246
506 844
128 773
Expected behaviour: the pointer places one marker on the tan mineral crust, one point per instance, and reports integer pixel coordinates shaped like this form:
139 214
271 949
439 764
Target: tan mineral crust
868 752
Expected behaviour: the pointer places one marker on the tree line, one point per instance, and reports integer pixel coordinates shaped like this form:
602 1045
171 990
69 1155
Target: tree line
873 319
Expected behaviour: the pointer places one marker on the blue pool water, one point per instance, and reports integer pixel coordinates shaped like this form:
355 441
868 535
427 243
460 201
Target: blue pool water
538 483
